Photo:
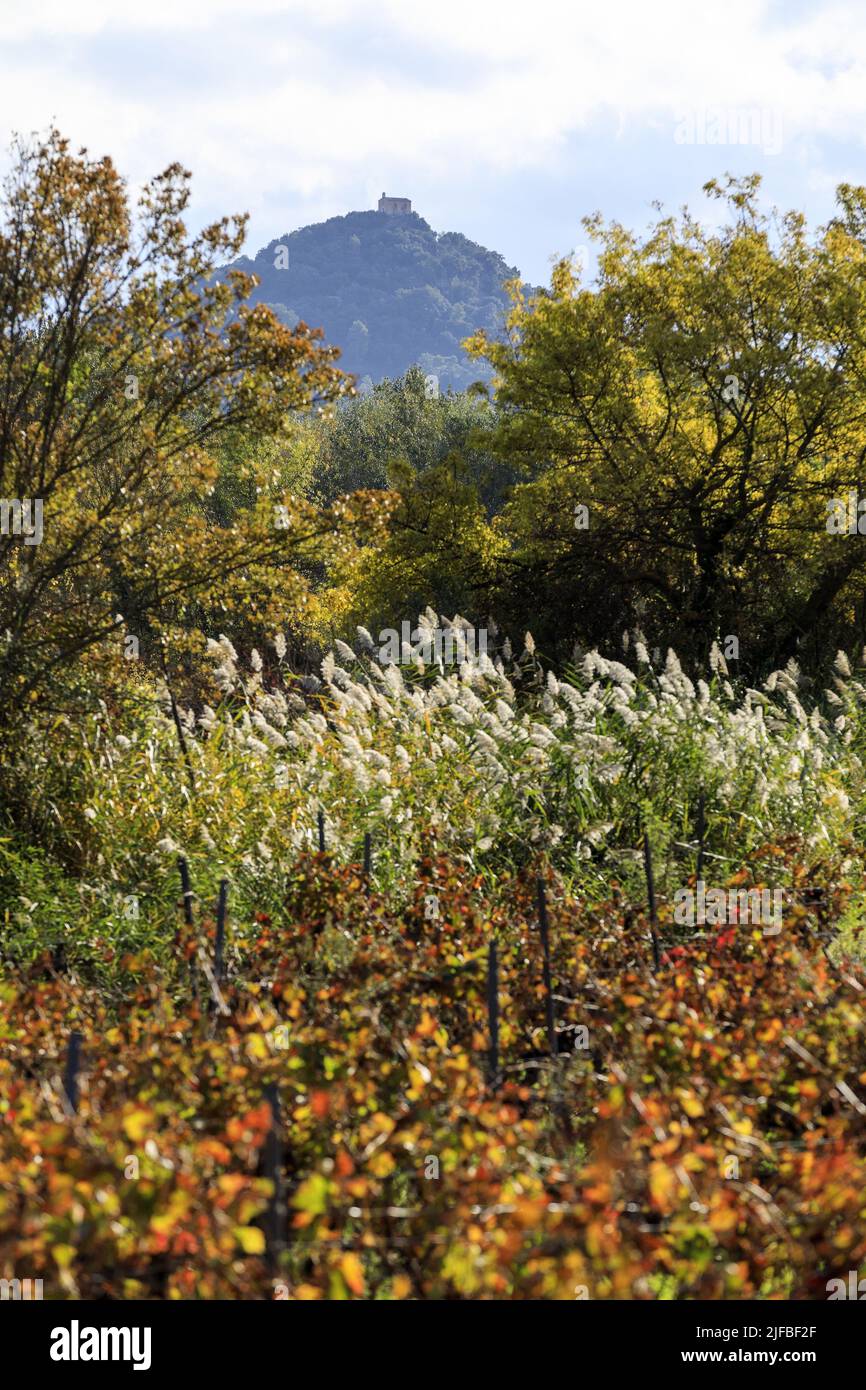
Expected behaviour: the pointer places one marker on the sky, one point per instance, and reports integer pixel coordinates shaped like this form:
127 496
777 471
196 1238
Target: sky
507 122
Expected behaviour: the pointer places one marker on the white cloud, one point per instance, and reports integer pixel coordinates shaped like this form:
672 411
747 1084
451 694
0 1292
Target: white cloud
487 86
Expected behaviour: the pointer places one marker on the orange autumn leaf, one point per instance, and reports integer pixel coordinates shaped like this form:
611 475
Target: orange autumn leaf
343 1164
320 1102
353 1272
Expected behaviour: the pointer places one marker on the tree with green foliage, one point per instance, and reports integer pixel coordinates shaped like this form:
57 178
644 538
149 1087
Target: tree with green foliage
124 368
438 548
428 449
389 290
682 428
406 420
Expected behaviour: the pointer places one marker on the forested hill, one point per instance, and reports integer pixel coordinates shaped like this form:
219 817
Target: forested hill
387 290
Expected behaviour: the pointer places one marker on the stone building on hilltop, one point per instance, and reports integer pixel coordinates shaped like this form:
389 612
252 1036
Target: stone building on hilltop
394 205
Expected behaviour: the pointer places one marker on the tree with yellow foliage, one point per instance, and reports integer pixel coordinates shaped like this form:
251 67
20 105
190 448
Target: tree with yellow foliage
683 428
123 370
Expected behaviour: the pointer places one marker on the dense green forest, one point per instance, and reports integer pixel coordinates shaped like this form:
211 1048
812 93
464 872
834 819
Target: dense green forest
387 290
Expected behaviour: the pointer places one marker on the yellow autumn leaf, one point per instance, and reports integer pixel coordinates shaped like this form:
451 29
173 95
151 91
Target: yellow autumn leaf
690 1103
136 1124
662 1185
381 1164
165 1221
250 1239
257 1047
